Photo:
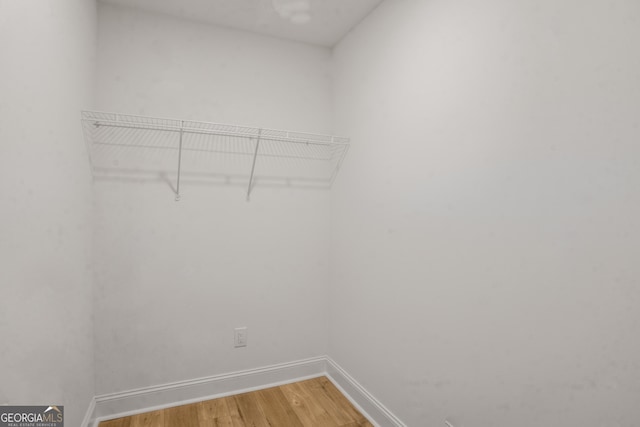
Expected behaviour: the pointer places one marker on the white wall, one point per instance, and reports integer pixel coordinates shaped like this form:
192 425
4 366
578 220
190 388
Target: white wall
174 279
46 78
487 219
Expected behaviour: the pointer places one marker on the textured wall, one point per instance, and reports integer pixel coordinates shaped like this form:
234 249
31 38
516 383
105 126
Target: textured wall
486 221
174 279
46 78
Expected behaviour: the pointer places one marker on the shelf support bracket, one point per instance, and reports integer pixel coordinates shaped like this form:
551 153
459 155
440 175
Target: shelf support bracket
253 167
179 162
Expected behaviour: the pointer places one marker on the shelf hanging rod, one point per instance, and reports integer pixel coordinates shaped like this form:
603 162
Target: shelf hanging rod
201 150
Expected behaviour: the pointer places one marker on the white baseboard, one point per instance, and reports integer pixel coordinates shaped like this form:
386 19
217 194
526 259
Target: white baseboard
146 399
364 401
88 416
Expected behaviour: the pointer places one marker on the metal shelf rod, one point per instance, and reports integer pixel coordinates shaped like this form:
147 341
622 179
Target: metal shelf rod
179 165
253 167
336 169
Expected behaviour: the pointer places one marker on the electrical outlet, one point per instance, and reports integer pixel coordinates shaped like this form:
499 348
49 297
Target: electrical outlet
240 337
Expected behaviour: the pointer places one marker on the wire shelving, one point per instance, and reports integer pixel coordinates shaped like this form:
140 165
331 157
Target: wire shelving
123 146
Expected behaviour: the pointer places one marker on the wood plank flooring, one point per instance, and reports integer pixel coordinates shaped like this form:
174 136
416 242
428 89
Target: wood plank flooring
311 403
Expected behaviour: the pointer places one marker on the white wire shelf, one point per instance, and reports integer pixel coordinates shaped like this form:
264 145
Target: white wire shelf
133 147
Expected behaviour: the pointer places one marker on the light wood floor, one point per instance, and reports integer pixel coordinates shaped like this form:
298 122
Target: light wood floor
311 403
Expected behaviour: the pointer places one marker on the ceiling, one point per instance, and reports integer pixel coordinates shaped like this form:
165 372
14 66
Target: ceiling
330 20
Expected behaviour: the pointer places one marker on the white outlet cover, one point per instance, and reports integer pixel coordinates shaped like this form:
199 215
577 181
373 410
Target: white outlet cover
240 337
